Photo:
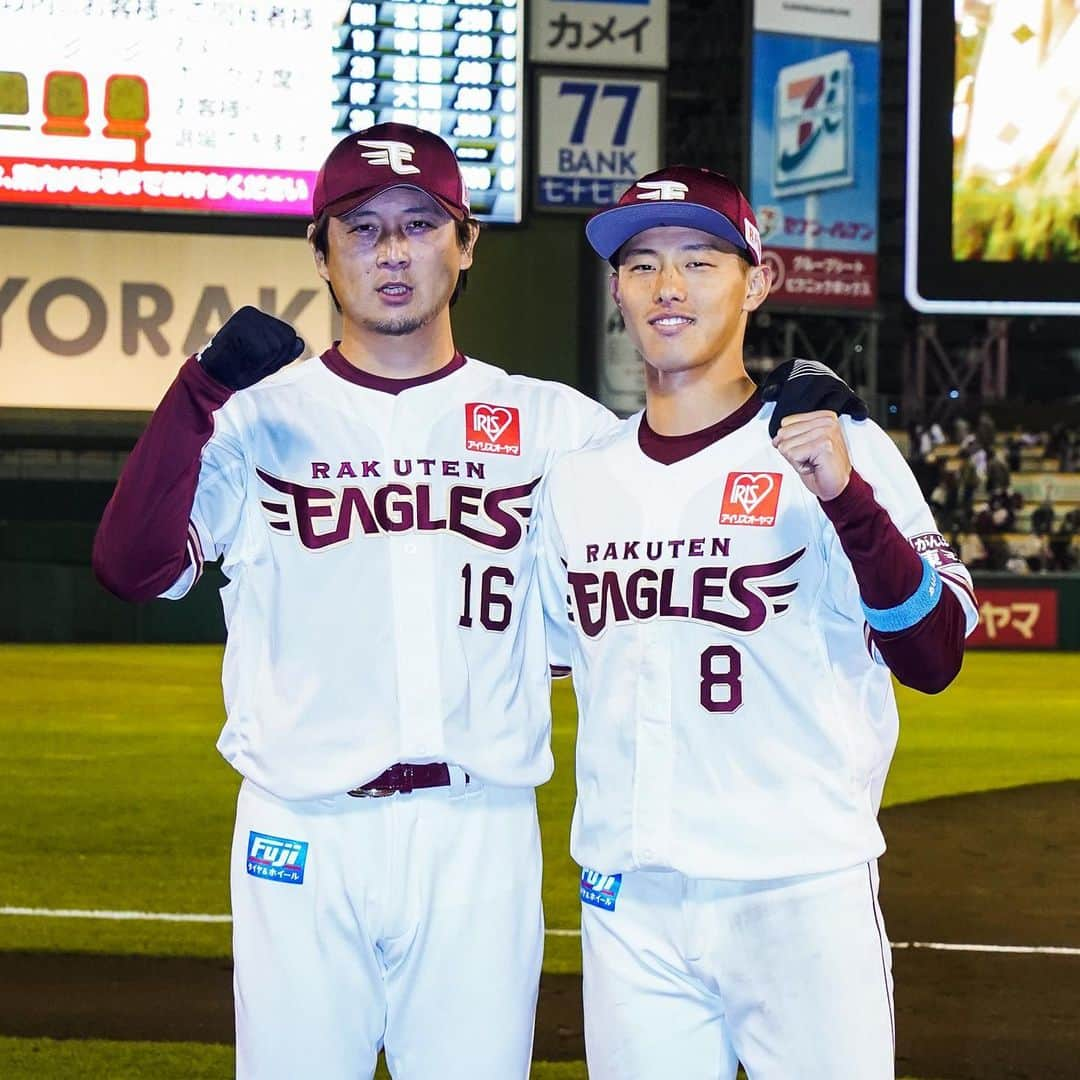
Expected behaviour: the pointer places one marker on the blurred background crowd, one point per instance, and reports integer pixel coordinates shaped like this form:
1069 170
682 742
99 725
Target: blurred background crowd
1008 500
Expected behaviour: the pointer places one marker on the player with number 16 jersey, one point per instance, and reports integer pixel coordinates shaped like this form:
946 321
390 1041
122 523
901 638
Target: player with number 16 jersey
386 675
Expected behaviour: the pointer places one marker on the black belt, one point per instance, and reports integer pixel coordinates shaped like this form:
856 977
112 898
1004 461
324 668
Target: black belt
401 779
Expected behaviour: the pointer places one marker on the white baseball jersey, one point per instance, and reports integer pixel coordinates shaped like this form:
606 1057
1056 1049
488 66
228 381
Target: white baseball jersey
733 721
382 603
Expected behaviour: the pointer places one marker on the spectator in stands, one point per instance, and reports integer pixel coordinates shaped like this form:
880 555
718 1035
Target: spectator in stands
996 515
944 498
1042 517
972 550
916 456
1053 441
1013 449
961 431
968 479
997 474
923 441
1062 543
997 554
1069 459
1063 443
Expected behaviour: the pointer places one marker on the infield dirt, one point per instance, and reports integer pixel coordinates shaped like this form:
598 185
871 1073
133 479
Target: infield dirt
995 868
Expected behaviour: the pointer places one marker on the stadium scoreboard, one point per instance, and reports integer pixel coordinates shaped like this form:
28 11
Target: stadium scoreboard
452 68
228 109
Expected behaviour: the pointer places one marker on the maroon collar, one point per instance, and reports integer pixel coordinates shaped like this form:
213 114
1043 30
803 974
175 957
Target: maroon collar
337 363
669 449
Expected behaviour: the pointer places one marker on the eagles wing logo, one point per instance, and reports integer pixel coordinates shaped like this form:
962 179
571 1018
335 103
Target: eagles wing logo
662 190
389 152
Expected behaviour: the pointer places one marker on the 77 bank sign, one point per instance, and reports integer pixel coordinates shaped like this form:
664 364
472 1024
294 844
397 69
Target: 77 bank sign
595 137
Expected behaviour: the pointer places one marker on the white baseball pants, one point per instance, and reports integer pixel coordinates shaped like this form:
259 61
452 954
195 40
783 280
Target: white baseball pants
687 977
417 926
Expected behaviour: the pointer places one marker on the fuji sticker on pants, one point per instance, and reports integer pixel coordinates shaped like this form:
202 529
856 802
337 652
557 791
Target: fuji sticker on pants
276 858
600 889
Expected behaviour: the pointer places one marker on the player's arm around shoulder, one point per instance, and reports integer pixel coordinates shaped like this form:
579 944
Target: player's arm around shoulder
572 419
914 594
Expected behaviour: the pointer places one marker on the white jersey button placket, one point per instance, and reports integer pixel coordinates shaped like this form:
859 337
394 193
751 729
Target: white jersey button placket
416 626
653 758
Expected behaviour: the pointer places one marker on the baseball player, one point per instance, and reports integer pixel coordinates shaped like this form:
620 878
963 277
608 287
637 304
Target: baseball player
386 678
732 593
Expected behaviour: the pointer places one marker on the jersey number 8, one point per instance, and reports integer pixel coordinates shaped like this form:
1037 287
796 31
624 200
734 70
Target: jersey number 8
721 674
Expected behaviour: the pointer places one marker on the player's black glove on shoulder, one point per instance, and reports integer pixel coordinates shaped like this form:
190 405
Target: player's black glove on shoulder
250 346
800 386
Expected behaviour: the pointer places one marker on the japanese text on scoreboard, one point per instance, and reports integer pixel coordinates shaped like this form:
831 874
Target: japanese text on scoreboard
150 104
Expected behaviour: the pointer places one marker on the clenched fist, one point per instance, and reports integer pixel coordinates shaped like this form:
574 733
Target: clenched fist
250 346
814 444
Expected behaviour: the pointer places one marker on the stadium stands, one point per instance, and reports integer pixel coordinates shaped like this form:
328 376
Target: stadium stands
1009 501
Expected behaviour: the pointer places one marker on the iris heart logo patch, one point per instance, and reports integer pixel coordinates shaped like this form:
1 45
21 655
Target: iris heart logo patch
748 489
751 499
492 429
492 420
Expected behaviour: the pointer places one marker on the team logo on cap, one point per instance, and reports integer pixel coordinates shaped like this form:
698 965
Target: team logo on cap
390 152
492 429
662 190
751 499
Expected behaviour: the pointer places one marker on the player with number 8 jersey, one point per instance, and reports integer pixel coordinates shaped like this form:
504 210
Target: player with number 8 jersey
386 676
731 605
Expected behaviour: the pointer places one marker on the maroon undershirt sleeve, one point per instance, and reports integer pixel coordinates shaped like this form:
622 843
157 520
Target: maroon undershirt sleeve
926 656
141 544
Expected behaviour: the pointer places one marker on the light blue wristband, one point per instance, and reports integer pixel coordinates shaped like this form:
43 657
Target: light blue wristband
915 608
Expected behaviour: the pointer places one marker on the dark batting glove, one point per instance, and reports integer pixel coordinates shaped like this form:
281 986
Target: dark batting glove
250 346
802 386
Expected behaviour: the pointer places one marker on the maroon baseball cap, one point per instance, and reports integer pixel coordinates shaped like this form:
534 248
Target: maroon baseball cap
679 195
373 160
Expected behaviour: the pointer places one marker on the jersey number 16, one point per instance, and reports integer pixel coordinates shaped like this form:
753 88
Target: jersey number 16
495 606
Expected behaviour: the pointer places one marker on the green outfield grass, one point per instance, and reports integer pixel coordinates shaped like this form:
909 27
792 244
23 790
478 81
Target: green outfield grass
53 1059
113 797
59 1059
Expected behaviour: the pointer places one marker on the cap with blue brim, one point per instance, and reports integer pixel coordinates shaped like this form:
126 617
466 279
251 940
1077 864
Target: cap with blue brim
680 195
